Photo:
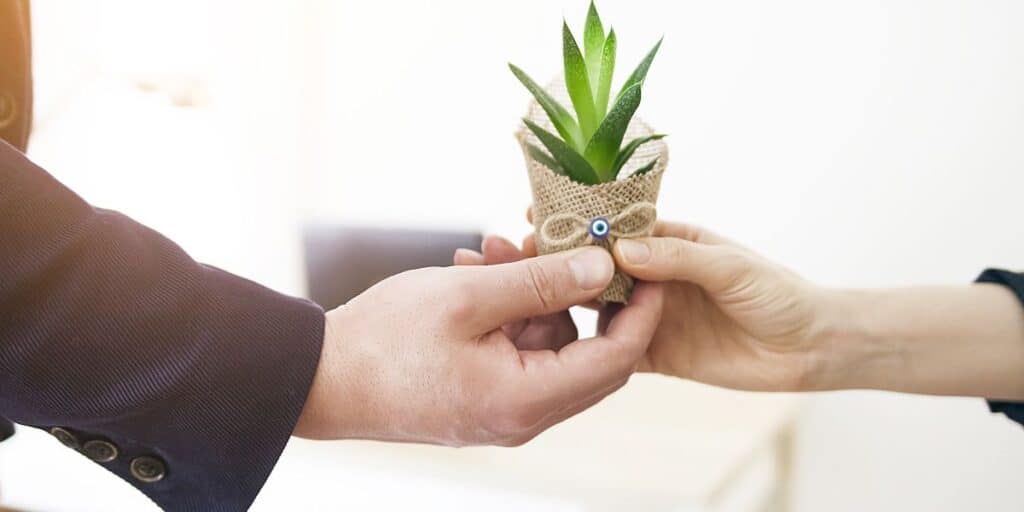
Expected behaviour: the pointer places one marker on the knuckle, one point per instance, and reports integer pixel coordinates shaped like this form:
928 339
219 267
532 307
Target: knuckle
731 260
460 303
425 273
618 370
542 285
675 250
511 421
668 258
518 420
735 267
517 441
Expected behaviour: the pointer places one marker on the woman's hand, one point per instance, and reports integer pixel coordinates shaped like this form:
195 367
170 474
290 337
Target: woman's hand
731 317
734 319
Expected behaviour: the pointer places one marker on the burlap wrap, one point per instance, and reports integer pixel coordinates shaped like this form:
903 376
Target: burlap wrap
554 194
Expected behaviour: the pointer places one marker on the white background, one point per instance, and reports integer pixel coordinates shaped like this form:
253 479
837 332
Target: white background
868 143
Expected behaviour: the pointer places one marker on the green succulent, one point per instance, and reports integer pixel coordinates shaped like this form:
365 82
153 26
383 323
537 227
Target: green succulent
588 147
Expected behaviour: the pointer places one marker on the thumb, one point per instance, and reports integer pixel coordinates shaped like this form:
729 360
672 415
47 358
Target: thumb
715 268
499 294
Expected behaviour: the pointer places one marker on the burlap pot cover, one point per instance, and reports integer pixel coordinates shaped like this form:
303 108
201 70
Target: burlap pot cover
563 210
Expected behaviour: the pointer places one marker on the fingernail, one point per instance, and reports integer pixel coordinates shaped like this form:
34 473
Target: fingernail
636 253
592 268
467 256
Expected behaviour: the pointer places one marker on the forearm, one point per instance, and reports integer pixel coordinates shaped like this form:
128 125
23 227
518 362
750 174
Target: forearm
933 340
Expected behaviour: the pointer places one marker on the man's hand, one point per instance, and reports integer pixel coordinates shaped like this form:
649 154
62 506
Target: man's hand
548 331
423 356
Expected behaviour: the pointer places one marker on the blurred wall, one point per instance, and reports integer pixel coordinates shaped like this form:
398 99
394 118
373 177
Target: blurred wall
184 115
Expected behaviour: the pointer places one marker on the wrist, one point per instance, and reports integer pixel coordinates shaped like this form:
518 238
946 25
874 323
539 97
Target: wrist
965 340
332 406
852 350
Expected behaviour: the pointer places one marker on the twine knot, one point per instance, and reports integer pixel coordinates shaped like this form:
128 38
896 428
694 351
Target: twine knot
564 231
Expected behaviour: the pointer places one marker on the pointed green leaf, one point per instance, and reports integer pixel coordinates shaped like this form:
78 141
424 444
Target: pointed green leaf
645 169
628 150
560 117
640 73
604 145
593 43
604 82
539 155
575 166
578 84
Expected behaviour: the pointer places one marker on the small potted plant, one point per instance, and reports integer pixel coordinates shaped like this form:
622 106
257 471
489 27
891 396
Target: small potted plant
588 187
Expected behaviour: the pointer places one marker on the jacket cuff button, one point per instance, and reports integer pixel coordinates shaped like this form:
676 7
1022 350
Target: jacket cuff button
99 450
148 469
65 437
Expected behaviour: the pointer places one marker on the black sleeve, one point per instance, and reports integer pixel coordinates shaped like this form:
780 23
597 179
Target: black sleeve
180 378
1015 282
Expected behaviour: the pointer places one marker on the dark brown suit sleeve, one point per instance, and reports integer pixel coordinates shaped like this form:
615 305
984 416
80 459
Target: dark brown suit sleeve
180 378
15 93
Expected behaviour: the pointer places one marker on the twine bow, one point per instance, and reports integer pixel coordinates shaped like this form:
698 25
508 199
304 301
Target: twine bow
564 231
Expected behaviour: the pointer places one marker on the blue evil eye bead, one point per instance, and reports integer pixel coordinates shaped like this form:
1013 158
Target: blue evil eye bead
599 228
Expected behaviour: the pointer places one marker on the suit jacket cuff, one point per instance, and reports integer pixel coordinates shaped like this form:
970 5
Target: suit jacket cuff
222 410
